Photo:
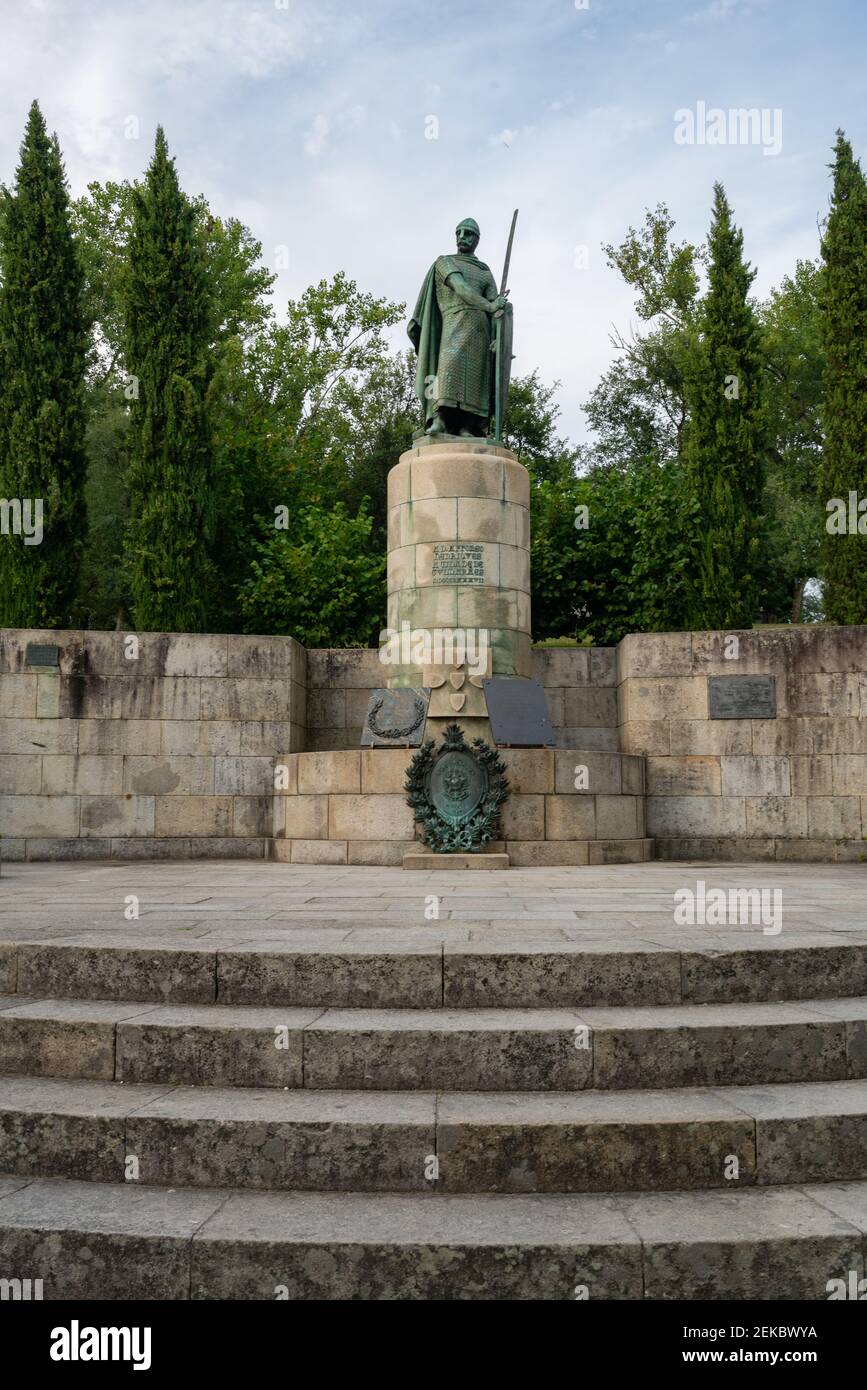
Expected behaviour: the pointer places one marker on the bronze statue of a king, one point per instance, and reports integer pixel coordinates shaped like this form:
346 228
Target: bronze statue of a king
464 356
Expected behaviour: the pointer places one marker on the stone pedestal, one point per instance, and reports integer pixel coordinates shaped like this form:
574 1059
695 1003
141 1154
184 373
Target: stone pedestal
458 574
350 807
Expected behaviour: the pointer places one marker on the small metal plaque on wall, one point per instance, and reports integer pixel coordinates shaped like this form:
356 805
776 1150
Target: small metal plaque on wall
37 654
518 711
742 697
395 718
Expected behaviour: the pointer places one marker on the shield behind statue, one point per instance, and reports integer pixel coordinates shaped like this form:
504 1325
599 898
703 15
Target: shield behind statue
505 363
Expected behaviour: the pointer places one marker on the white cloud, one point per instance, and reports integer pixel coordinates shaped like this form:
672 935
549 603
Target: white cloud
720 10
314 141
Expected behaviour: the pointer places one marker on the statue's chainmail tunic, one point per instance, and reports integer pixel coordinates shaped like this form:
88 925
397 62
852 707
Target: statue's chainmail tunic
465 359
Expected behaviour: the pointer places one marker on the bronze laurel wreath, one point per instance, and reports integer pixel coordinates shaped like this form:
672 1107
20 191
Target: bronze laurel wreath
484 824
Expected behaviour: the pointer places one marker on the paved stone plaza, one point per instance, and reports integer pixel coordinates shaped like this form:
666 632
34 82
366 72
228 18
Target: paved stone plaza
259 904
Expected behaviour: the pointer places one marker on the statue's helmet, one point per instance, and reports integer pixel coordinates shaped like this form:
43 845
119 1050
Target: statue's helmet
471 224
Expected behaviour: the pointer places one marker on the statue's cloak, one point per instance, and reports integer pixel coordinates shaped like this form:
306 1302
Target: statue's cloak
453 340
425 330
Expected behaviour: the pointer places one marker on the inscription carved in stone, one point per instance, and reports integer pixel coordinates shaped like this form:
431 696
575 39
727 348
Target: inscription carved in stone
458 562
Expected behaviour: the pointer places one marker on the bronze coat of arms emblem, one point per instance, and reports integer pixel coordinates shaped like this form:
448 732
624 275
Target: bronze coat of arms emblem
456 792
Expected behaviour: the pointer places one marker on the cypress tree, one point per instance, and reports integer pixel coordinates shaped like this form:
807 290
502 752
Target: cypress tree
724 452
43 343
844 327
169 533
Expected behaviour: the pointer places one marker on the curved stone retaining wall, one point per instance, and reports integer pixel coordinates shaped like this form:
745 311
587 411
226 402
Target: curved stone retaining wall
350 808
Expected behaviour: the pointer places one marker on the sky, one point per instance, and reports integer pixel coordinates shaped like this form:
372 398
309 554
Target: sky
355 136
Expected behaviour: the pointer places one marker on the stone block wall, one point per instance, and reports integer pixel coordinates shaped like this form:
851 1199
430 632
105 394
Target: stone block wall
339 683
350 807
171 752
580 684
793 787
163 746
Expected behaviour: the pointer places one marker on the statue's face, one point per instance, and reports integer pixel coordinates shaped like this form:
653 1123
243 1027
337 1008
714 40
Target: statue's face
467 240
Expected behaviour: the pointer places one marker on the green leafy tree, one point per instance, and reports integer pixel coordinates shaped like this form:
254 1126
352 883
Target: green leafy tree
531 431
238 293
42 409
793 400
329 349
104 600
623 567
376 416
844 252
610 553
639 409
308 413
239 285
640 415
725 445
322 582
168 323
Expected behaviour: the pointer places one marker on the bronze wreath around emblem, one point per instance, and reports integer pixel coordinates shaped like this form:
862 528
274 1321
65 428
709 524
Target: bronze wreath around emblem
456 792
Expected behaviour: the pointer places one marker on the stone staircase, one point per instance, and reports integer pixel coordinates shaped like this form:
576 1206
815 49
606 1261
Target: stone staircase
407 1118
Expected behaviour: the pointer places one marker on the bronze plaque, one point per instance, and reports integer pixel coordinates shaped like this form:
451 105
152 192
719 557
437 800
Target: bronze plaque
37 654
742 697
518 711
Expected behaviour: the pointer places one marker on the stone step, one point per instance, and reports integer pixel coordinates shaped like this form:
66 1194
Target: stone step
586 1141
390 968
96 1241
435 1049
